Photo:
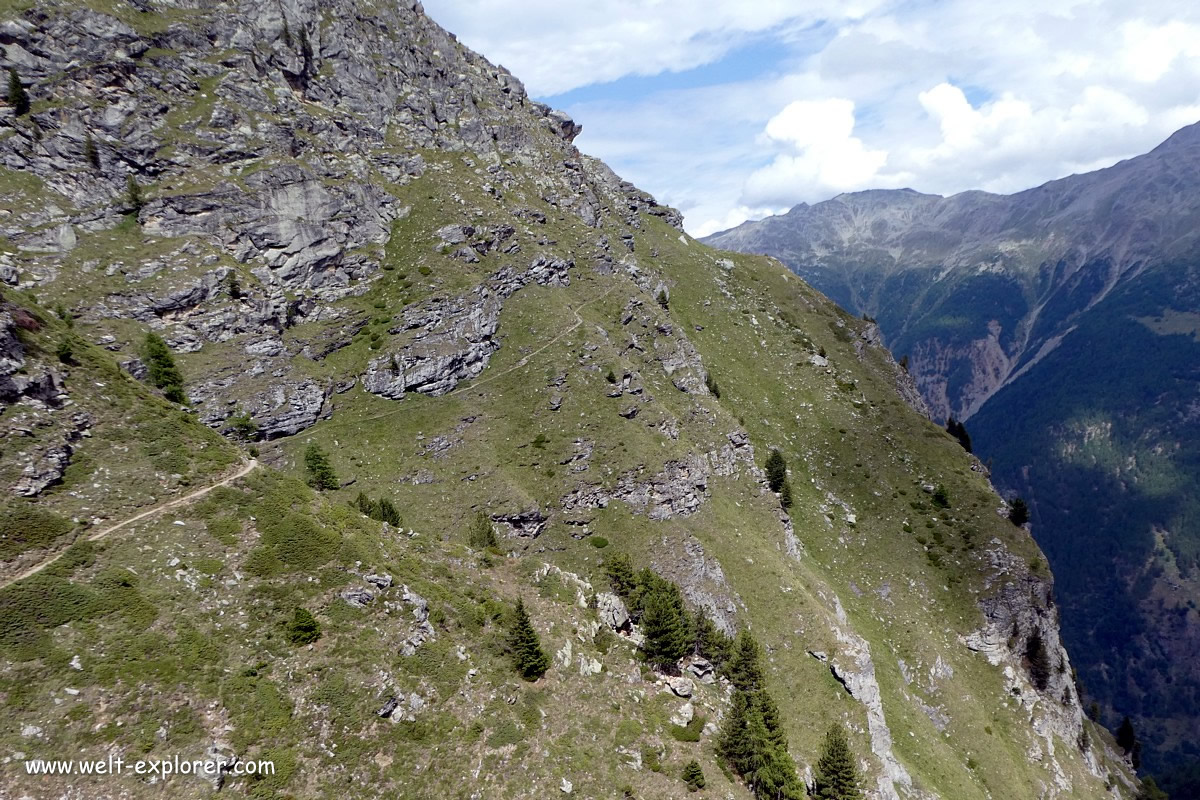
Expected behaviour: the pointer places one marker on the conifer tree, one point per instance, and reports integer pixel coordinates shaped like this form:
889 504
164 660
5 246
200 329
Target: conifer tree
836 776
618 567
1018 513
160 365
528 656
744 668
18 98
693 776
364 504
785 495
662 299
386 512
90 153
320 472
959 431
709 641
1039 660
481 535
710 383
133 194
776 470
1126 737
733 743
666 626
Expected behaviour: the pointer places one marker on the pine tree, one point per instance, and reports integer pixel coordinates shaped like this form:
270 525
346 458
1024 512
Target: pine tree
836 776
364 504
744 668
385 511
618 567
710 383
709 641
1127 740
133 194
1039 660
528 656
481 534
785 495
160 365
320 472
662 299
693 776
733 742
90 153
959 431
18 98
666 626
776 470
1018 513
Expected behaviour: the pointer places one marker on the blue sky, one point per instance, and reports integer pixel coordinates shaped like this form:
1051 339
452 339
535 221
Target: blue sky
733 111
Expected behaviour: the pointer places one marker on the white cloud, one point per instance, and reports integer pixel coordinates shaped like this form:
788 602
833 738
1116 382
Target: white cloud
555 46
822 155
941 97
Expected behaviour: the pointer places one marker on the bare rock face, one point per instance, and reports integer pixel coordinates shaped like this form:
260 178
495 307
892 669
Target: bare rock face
312 112
612 611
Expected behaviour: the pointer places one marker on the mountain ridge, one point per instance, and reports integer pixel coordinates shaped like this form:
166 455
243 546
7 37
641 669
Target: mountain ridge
387 274
1043 318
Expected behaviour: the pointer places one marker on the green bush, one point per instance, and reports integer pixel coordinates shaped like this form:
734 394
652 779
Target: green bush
691 732
693 776
27 527
481 535
303 628
599 542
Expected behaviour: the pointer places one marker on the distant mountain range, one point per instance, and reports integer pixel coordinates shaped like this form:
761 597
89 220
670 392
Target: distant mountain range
1062 324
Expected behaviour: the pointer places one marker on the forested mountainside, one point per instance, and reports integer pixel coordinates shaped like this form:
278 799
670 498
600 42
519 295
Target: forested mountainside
354 421
1061 323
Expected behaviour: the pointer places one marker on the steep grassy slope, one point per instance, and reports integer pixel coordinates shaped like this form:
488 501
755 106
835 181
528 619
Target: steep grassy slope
1059 322
470 317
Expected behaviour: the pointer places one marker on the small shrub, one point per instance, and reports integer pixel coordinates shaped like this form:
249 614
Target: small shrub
303 628
599 542
611 377
691 732
424 270
941 496
663 300
693 776
481 535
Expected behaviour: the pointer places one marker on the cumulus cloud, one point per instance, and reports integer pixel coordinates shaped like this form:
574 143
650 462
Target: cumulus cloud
943 97
822 156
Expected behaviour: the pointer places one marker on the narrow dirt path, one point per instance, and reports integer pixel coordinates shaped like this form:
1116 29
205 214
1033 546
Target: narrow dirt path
96 536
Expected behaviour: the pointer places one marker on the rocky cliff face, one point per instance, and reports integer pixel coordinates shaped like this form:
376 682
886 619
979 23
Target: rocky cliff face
353 232
1037 316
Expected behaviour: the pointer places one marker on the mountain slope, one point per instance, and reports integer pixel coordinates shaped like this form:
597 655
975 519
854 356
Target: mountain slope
1060 322
355 233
